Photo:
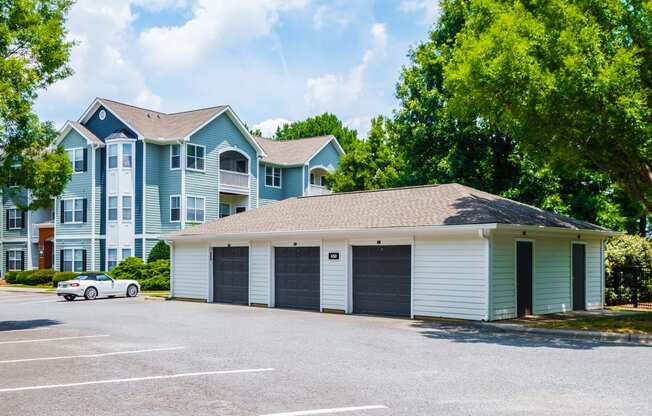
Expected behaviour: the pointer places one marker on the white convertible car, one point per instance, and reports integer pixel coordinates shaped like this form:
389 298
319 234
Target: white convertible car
94 285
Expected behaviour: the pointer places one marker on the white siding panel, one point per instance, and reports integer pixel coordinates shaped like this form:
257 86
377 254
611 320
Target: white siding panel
259 272
593 275
450 278
503 279
334 276
191 271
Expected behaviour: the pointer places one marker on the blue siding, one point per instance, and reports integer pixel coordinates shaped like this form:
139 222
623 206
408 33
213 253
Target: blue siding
161 183
103 128
292 182
139 248
13 201
138 200
327 157
63 244
268 192
79 186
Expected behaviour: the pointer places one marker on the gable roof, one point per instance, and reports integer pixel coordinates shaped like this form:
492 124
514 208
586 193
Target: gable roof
295 152
82 130
162 127
423 206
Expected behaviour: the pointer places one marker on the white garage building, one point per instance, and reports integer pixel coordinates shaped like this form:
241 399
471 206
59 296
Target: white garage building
432 251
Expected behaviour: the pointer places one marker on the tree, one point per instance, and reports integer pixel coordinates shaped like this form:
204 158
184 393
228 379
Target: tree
160 251
33 55
370 164
320 125
572 80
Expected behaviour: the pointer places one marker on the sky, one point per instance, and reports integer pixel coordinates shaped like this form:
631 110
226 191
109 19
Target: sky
272 61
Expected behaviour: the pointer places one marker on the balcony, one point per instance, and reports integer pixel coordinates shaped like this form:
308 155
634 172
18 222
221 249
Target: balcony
318 190
234 182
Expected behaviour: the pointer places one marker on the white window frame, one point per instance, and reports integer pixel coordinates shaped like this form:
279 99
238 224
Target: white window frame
108 258
203 199
131 155
115 146
196 158
129 208
280 177
74 210
172 156
18 216
180 213
73 252
72 156
17 260
117 208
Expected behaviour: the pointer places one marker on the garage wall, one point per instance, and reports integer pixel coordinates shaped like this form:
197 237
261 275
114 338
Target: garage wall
334 275
594 270
503 278
552 275
190 271
259 272
450 278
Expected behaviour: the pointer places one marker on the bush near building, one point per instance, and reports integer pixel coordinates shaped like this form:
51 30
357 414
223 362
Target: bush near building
153 275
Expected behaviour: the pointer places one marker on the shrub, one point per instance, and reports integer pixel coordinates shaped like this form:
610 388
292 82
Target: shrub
129 268
155 283
161 251
62 277
628 251
24 277
40 277
11 277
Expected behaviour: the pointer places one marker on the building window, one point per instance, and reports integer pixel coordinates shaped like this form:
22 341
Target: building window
195 157
73 211
225 210
77 161
112 258
126 208
240 209
175 208
14 219
73 260
195 209
175 156
15 260
126 155
272 176
126 252
113 156
113 208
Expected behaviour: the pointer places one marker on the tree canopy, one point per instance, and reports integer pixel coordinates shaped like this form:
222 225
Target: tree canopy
34 54
320 125
572 80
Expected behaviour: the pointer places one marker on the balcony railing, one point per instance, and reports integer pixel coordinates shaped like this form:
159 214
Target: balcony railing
236 180
318 190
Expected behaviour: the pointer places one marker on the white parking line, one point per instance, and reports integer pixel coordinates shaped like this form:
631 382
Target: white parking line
39 301
105 354
328 411
22 298
25 341
128 380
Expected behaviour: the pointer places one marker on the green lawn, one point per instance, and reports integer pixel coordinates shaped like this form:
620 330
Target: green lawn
636 323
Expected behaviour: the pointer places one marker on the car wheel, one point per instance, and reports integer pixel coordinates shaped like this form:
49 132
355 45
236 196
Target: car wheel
69 297
132 291
90 293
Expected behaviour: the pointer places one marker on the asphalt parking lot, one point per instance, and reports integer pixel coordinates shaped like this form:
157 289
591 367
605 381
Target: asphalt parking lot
133 356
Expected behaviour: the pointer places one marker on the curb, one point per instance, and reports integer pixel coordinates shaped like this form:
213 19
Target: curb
589 335
25 290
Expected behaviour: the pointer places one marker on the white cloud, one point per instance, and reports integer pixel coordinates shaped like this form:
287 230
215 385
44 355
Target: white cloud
268 127
212 22
361 124
330 91
430 9
328 16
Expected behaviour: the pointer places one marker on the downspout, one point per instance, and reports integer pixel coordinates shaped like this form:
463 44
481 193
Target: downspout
2 236
486 236
93 231
144 196
182 203
28 220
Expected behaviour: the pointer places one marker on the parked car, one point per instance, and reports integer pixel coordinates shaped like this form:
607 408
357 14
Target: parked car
94 285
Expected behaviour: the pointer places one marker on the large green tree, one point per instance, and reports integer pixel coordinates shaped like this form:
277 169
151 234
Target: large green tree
571 79
320 125
34 54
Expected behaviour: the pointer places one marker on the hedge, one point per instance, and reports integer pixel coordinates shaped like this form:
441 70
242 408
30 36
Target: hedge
154 275
24 277
62 277
11 277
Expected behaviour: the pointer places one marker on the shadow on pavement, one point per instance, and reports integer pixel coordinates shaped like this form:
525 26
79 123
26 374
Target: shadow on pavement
476 334
30 324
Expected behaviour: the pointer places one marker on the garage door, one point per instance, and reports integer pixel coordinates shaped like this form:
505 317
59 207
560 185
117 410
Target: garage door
381 280
231 275
296 274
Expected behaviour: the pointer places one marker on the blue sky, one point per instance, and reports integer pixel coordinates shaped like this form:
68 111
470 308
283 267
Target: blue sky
273 61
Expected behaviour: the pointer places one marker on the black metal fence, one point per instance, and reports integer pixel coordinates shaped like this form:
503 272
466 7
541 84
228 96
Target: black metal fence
630 286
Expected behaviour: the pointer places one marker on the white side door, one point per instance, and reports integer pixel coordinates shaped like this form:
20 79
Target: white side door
106 285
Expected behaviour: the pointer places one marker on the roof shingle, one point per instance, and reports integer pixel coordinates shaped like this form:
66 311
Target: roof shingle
433 205
292 152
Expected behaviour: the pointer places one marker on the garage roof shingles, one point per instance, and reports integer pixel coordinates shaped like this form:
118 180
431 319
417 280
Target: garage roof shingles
292 152
434 205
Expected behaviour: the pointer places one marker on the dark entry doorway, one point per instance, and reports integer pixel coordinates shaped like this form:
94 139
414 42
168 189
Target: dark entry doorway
524 274
579 277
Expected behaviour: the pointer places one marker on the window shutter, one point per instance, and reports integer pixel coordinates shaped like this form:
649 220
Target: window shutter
84 219
62 218
6 261
61 260
22 260
85 160
22 220
84 264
